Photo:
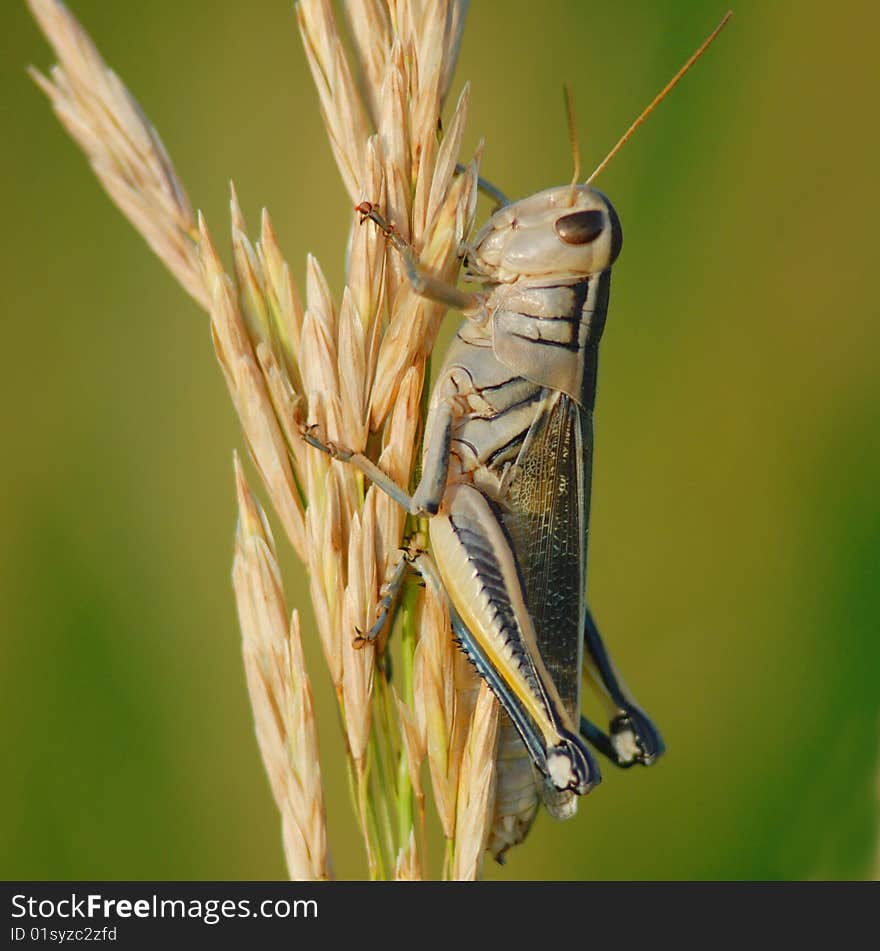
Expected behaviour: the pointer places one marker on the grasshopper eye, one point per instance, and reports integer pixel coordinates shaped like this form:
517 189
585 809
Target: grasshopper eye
581 227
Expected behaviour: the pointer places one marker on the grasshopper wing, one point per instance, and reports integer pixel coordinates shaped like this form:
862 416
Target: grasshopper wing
546 514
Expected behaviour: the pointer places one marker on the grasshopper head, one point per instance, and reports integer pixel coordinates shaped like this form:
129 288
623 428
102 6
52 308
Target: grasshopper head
562 233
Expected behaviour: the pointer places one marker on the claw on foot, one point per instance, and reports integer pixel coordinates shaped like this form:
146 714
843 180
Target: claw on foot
366 209
332 450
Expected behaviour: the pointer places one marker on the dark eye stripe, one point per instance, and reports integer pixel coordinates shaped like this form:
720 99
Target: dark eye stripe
581 227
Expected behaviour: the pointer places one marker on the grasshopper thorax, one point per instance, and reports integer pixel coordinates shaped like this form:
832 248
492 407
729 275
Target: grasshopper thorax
562 234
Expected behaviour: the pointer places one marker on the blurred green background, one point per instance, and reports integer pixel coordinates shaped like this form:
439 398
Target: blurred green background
736 527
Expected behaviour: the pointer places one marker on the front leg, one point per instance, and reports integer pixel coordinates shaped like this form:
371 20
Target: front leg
423 283
487 188
632 737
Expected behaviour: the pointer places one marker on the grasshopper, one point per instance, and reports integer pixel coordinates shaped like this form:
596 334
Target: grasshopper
506 483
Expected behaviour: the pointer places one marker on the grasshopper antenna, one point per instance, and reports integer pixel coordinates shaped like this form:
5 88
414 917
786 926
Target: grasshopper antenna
572 135
664 92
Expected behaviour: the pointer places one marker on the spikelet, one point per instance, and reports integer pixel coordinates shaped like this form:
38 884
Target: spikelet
124 149
281 696
476 788
352 364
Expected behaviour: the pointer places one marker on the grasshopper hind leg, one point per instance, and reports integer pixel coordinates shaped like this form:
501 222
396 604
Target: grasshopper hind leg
568 766
632 737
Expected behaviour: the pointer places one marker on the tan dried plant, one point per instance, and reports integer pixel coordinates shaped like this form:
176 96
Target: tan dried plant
355 366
